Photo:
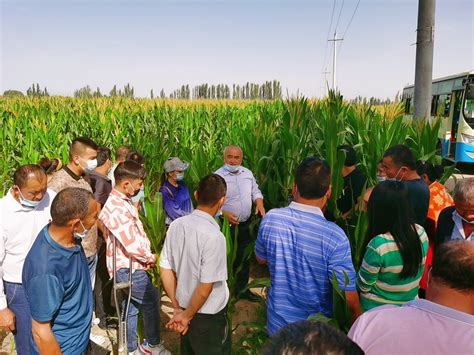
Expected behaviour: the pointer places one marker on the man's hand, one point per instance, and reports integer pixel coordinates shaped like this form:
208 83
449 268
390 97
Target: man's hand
7 320
232 218
259 208
152 263
180 322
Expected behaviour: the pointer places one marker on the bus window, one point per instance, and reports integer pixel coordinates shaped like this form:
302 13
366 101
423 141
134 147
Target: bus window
434 105
468 107
447 105
407 105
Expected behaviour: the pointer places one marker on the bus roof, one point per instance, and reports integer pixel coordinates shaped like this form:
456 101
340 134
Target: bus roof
446 78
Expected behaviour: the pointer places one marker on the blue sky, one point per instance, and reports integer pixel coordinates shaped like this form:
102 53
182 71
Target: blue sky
67 44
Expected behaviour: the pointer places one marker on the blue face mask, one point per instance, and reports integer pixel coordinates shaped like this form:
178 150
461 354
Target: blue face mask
232 168
218 214
180 177
27 203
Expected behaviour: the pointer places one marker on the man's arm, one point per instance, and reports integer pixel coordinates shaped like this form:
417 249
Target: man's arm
352 300
7 317
168 278
44 338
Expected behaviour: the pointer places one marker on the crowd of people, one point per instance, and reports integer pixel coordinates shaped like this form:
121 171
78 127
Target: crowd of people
58 225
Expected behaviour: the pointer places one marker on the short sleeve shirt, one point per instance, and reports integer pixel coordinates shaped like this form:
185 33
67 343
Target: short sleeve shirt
303 251
58 288
195 250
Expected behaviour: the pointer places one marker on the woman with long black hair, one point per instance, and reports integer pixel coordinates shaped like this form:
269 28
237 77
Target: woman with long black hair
395 249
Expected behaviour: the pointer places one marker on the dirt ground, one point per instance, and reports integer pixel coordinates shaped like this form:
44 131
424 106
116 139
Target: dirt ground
245 311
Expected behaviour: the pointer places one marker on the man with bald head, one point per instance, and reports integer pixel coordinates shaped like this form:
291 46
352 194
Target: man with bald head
24 211
82 161
56 276
441 324
242 191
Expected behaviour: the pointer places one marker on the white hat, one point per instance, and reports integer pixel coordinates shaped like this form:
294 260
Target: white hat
173 164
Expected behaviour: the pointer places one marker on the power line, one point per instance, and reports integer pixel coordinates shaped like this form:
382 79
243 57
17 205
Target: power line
339 17
350 21
349 24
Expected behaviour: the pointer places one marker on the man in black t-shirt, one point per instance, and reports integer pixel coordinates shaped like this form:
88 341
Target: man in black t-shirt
400 164
354 181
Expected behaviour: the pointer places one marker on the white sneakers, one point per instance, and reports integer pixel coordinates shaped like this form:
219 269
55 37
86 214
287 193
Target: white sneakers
147 349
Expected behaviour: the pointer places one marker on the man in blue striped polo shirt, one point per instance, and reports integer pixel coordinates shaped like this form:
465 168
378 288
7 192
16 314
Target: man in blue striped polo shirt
303 250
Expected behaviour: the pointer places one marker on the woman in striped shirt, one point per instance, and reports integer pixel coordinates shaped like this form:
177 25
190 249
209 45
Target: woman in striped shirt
395 249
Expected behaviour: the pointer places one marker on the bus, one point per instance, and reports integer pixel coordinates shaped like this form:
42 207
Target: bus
453 102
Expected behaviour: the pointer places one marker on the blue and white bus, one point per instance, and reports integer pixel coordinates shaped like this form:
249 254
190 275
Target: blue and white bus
453 102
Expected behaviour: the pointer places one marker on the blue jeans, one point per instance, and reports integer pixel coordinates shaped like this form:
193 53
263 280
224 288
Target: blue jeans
92 264
18 304
145 298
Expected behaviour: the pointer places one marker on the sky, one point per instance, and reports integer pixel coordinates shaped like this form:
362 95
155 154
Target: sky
67 44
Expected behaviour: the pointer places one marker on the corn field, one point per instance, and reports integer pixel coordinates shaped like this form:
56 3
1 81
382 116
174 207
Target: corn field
275 136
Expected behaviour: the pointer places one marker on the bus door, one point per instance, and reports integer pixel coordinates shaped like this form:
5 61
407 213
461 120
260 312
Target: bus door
456 105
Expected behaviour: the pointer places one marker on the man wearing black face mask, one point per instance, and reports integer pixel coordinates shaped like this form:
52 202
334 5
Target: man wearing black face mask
121 221
56 277
24 211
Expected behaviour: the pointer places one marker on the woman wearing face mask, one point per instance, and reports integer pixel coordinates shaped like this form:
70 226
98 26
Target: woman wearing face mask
439 200
176 198
395 250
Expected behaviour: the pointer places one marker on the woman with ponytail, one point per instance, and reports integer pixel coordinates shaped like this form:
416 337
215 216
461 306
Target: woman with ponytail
395 250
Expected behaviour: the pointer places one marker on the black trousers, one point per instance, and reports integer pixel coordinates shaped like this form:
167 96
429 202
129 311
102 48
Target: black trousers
208 334
103 285
243 240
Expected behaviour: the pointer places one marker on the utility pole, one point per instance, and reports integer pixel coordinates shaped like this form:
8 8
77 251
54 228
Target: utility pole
334 56
424 59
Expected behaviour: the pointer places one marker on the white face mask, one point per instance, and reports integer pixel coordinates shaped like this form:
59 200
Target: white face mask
83 234
396 176
180 177
232 168
28 203
381 178
464 219
90 165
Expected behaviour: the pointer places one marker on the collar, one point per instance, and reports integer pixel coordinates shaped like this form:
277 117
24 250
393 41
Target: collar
444 311
206 216
96 174
120 195
71 174
306 208
227 172
459 225
66 252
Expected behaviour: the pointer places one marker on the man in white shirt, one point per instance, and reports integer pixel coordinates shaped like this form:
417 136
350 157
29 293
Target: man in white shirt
242 192
24 211
193 266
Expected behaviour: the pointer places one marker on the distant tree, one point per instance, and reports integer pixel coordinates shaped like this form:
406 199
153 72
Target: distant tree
83 93
13 93
162 94
151 93
113 92
97 93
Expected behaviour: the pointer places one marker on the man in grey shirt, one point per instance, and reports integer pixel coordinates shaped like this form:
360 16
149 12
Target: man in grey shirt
193 267
242 191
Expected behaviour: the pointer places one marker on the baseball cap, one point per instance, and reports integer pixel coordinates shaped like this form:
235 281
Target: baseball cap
175 163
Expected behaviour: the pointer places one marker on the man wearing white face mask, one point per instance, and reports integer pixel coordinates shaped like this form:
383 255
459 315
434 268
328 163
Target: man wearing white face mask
56 277
242 191
399 164
457 222
24 211
82 161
